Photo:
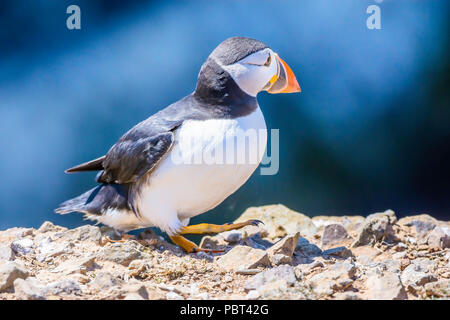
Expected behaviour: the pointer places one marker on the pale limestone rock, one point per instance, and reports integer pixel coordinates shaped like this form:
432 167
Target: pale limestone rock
10 271
337 278
416 275
122 253
29 289
377 227
6 253
133 296
47 226
385 285
80 265
23 246
438 289
350 223
281 252
285 272
105 280
83 233
335 235
243 257
280 221
439 238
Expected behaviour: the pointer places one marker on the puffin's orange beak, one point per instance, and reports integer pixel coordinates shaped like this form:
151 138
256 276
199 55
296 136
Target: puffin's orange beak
285 81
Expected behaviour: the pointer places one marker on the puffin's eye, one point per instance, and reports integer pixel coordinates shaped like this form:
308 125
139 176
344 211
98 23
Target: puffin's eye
269 59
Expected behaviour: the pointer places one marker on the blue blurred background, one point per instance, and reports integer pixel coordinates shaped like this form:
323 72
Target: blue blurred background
370 131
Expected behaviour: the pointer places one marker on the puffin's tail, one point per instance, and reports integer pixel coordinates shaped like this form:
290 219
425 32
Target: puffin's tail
78 204
97 200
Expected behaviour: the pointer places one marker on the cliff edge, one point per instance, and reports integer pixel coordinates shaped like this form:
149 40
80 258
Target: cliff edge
291 256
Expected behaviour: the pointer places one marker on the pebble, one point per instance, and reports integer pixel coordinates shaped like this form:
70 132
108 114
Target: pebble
23 246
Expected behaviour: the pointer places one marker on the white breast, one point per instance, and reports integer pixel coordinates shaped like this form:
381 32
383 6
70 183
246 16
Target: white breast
208 162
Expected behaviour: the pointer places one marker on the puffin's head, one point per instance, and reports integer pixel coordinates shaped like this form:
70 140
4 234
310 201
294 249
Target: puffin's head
251 64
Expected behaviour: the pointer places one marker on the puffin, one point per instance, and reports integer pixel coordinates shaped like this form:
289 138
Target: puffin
185 159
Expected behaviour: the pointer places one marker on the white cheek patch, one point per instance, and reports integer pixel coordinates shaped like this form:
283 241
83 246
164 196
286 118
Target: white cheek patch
257 58
251 78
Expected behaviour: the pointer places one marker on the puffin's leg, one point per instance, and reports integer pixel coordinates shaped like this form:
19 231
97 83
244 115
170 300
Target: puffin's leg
205 228
189 246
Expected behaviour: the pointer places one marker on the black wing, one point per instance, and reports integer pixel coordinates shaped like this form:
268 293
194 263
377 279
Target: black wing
130 159
141 148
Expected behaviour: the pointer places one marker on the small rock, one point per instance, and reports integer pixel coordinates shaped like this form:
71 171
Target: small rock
148 234
15 233
304 247
47 226
385 286
87 232
248 272
275 290
202 296
404 263
280 221
347 295
339 252
80 278
6 253
365 255
279 259
350 223
49 249
339 277
257 242
377 227
232 236
439 238
281 252
391 265
243 257
308 267
76 266
122 253
213 242
138 264
204 255
136 289
415 275
400 247
400 255
23 246
334 235
252 295
66 286
228 278
155 293
133 296
422 224
285 272
173 296
105 280
438 289
29 289
10 271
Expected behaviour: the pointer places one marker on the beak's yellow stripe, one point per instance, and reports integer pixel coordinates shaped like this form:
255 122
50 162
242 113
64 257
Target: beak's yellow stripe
273 79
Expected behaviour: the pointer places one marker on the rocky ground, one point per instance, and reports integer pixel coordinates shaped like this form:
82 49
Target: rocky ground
291 257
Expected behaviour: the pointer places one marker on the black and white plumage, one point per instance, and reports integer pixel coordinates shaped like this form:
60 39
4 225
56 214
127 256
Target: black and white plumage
141 185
